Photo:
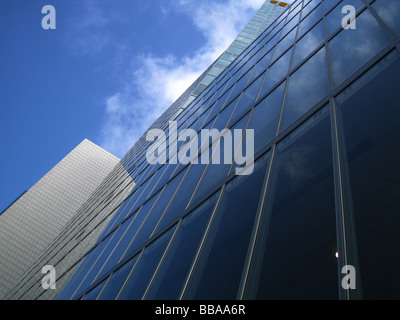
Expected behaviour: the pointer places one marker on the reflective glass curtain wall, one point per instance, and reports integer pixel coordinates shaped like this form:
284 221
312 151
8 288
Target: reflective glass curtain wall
324 193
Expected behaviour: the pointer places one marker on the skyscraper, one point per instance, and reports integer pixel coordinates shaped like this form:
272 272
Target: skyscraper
34 220
261 20
323 198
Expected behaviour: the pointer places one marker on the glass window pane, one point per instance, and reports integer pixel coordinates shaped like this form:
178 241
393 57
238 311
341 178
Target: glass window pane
219 268
92 294
311 19
72 284
372 134
219 105
139 218
329 4
207 80
308 7
335 17
351 49
290 25
238 87
117 280
138 281
261 66
223 118
116 219
307 86
233 80
264 120
294 257
276 72
89 271
251 62
272 42
119 248
138 197
309 43
248 98
215 172
285 43
389 11
170 278
182 196
151 219
106 252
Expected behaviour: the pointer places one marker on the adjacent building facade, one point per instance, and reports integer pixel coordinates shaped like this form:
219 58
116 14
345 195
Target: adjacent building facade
34 220
321 204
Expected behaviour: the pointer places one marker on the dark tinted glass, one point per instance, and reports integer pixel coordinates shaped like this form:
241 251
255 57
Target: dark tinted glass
150 221
90 270
72 285
372 134
238 87
93 294
307 86
276 72
351 49
248 98
117 280
261 66
223 118
389 11
309 43
105 262
309 6
175 267
218 270
335 17
291 24
294 256
285 43
310 20
138 281
215 173
264 120
329 4
182 196
130 238
107 251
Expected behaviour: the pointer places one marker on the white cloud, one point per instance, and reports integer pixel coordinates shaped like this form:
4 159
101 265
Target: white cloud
159 81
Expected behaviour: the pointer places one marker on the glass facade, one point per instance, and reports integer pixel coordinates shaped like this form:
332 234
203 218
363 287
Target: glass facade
324 193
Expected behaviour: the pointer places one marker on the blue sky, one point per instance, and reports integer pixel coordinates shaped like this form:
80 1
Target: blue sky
106 73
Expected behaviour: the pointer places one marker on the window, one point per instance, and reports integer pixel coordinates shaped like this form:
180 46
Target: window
352 49
389 11
170 278
182 196
138 281
371 129
307 86
276 72
294 257
309 43
218 270
264 120
311 19
117 280
335 17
